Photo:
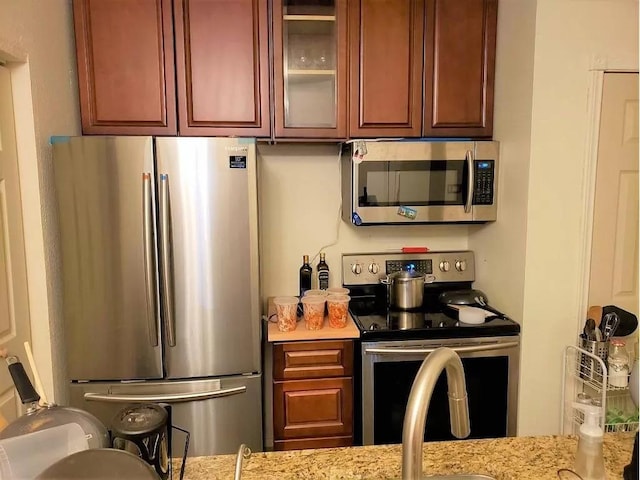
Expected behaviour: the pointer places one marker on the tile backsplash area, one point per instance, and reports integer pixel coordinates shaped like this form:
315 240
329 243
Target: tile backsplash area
300 213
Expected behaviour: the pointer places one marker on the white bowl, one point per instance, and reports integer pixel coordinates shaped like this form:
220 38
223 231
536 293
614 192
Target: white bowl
472 315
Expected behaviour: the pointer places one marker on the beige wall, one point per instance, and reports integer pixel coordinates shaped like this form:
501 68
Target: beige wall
501 248
299 202
573 38
36 38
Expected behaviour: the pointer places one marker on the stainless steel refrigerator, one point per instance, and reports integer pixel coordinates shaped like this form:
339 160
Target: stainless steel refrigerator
159 249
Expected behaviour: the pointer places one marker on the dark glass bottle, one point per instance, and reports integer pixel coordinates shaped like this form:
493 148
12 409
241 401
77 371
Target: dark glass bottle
323 273
305 275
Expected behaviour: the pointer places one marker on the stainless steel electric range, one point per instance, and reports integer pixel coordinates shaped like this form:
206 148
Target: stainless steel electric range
394 342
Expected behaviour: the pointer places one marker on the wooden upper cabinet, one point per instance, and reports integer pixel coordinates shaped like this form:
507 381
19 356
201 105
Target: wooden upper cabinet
310 68
459 67
222 67
386 58
125 66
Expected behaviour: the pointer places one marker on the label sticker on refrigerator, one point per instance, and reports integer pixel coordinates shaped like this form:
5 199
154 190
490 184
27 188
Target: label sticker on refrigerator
407 212
237 161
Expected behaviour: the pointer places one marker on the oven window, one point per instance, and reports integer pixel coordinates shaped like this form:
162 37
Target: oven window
418 183
487 387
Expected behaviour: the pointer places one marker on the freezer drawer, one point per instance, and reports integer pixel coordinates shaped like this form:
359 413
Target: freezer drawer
219 413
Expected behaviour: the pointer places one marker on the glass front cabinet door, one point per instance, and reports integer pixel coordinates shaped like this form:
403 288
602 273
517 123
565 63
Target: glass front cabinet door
310 60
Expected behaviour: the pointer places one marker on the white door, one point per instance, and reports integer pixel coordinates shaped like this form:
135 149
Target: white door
614 256
14 306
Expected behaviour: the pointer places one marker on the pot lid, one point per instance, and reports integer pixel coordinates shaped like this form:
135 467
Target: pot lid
137 420
405 276
99 464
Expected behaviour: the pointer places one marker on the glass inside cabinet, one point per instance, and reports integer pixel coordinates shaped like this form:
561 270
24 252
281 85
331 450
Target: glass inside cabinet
309 49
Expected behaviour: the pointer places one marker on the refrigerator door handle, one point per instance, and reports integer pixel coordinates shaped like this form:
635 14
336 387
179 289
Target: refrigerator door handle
169 398
165 249
149 263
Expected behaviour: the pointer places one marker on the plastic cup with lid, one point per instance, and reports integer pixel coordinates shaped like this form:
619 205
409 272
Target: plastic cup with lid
315 292
338 306
286 311
313 309
338 291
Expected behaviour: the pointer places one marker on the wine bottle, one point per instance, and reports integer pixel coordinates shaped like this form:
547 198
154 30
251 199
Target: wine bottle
305 275
323 273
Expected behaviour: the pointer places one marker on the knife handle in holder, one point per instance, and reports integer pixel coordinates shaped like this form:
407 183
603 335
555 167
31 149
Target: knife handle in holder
21 381
590 368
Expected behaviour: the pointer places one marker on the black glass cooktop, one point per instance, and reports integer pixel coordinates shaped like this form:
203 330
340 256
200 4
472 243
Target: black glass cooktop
377 321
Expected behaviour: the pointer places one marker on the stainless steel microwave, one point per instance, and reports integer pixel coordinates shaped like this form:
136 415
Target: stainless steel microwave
405 182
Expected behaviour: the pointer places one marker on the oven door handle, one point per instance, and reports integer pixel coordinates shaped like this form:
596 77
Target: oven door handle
459 349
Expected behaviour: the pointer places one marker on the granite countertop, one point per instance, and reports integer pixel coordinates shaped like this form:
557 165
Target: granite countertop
514 458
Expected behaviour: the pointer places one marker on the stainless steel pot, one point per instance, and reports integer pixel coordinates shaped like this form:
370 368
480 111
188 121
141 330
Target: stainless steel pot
100 464
405 289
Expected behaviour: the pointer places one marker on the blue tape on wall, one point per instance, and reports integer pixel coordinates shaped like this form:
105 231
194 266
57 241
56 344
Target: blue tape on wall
58 139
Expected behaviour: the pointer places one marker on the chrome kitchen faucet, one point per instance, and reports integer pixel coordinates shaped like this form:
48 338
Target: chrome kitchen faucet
415 416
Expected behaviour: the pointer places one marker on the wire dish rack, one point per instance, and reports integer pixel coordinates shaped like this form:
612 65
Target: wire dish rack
585 380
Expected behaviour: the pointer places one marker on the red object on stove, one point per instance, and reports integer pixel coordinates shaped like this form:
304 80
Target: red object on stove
415 249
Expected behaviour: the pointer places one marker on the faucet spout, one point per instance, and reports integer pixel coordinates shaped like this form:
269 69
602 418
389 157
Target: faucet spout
415 416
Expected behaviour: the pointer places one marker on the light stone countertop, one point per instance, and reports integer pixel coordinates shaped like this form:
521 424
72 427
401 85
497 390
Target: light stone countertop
514 458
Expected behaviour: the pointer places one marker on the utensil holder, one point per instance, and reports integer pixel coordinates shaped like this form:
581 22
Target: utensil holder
590 368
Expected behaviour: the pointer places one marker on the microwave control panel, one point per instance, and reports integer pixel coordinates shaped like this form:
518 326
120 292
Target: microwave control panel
484 178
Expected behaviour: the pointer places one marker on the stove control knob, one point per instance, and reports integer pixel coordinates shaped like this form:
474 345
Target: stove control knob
356 268
445 266
461 265
374 268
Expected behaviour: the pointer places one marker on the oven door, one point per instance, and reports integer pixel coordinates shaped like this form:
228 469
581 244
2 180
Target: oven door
491 371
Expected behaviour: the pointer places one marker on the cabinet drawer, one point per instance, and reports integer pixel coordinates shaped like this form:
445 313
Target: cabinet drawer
313 408
318 359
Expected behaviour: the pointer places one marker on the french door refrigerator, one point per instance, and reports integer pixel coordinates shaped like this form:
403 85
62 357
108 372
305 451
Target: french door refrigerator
159 250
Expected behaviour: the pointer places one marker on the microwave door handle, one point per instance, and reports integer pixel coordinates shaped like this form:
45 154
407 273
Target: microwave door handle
470 181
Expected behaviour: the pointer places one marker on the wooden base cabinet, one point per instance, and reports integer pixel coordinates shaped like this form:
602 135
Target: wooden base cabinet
313 394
